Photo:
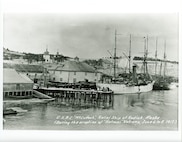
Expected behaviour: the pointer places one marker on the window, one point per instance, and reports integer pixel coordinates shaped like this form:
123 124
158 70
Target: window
74 80
12 93
17 86
35 80
75 73
53 78
95 74
86 74
61 79
6 93
18 94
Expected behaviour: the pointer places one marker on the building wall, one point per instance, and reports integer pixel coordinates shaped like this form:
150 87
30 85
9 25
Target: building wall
47 58
32 76
71 77
17 86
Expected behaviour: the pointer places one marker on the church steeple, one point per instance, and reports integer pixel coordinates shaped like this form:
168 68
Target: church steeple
46 52
46 56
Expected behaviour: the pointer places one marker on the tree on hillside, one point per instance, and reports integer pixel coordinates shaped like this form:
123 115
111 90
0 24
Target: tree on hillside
94 63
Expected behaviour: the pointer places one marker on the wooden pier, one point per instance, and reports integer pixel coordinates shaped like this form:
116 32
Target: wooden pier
79 97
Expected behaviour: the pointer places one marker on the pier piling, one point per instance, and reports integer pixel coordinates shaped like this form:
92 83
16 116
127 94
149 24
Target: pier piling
86 98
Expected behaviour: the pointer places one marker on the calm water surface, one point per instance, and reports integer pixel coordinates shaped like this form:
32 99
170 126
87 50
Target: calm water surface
155 110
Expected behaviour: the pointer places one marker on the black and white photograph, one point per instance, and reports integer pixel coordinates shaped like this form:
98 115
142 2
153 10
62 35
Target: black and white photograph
91 71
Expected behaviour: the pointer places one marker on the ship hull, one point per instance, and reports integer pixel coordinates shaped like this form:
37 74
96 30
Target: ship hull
124 89
165 86
161 86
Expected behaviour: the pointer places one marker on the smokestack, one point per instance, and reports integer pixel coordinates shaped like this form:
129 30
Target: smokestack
134 74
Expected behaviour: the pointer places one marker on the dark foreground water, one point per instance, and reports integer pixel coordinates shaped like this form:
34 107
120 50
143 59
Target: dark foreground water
156 110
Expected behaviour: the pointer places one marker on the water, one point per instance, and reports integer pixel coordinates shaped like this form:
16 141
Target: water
156 110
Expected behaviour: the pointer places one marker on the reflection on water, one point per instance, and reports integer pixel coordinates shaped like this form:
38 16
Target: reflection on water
163 104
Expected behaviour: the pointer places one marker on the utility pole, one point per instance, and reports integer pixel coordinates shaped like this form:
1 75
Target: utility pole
45 76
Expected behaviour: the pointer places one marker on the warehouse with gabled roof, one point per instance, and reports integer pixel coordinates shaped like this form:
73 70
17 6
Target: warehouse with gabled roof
15 84
74 71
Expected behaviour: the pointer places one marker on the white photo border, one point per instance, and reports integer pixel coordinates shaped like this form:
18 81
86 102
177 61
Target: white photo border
89 6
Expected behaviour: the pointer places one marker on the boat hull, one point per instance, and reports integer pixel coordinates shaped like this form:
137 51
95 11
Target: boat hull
124 89
161 86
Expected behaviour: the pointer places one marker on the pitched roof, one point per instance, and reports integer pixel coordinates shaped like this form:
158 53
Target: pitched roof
51 66
11 76
76 66
24 67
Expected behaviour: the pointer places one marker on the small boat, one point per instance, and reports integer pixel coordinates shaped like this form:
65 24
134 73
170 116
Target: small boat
161 85
9 111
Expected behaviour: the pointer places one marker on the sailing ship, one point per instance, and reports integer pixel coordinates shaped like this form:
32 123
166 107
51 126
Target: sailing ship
132 82
162 82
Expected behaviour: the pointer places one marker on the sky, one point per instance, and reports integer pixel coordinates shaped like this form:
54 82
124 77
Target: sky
91 35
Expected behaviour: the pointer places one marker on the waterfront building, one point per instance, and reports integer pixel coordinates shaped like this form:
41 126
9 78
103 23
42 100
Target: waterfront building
15 84
74 71
36 73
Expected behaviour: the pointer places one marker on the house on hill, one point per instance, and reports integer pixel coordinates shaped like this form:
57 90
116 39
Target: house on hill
15 84
74 71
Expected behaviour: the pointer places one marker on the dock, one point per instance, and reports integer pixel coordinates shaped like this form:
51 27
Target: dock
80 97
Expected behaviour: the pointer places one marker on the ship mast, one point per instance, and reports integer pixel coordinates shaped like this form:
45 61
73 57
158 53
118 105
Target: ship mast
156 56
164 58
115 55
129 57
144 58
160 69
145 55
